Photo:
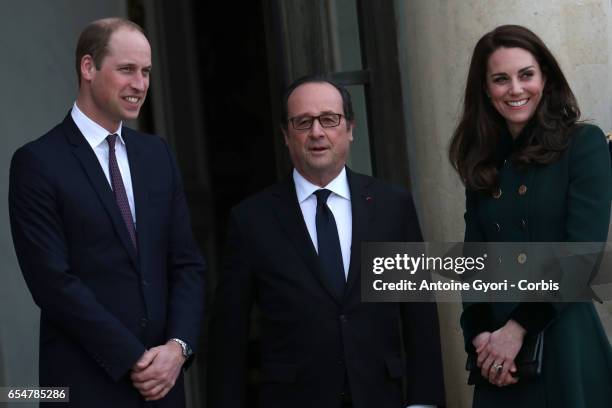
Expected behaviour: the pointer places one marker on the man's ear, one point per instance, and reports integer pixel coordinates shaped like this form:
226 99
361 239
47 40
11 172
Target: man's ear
285 135
88 67
350 126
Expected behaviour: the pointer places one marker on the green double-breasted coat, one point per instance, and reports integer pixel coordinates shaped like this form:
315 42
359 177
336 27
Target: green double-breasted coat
567 201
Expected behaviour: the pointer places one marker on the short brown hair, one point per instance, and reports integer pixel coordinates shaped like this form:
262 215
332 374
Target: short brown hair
94 39
347 104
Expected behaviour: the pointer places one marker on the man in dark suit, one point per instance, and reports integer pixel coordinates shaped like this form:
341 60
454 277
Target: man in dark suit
294 250
103 237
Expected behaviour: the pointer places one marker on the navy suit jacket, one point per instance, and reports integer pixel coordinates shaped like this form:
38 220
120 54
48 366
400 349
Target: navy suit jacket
102 302
310 339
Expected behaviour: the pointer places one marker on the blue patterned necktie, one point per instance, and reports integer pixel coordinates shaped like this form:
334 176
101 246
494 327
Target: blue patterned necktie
330 253
119 189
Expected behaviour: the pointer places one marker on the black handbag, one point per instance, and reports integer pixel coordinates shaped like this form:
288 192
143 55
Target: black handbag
528 361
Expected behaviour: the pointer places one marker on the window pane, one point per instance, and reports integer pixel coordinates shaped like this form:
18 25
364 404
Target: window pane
359 157
345 36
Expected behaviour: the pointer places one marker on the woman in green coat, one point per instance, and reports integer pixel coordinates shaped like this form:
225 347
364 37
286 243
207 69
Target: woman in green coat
532 174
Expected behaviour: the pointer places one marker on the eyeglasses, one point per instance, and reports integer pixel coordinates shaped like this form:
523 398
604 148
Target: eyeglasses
327 120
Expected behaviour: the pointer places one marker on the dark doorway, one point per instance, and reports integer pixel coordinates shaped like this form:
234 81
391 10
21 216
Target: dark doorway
235 91
222 70
240 128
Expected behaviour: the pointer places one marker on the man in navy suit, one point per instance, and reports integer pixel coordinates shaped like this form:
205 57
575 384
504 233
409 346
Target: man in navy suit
103 237
295 250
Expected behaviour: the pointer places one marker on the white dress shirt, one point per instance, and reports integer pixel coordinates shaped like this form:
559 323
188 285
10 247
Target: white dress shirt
339 202
96 137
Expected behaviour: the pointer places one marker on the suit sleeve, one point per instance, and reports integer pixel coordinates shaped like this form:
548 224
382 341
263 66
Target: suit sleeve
421 336
186 269
229 329
42 252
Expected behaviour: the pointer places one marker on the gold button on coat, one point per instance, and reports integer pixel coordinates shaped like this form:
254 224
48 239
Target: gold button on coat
521 258
522 189
497 193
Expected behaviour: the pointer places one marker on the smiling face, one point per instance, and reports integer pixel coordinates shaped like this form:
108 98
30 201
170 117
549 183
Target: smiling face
116 90
318 153
514 84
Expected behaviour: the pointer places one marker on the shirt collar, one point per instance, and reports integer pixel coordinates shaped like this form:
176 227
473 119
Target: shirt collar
94 133
305 188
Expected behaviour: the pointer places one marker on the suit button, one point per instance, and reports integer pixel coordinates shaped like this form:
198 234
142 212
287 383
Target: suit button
341 362
497 227
497 193
143 322
144 283
524 224
521 258
522 190
343 318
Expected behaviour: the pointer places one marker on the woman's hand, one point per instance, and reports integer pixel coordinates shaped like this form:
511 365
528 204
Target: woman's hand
480 341
496 355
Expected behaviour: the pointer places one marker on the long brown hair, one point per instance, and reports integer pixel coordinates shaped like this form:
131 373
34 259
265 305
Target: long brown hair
473 147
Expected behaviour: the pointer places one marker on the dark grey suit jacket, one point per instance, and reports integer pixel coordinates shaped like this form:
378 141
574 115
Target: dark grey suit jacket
310 339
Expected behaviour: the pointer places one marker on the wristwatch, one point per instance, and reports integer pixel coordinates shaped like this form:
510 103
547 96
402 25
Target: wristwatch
187 352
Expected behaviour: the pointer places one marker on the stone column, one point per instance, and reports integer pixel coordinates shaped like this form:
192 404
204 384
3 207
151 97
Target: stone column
436 39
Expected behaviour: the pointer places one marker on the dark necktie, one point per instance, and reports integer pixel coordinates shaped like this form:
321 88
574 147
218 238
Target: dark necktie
330 253
119 189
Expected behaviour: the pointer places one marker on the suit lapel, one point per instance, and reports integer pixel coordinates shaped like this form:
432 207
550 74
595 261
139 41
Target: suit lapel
138 171
291 220
91 166
363 204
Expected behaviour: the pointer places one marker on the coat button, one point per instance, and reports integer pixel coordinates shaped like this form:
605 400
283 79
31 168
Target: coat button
144 322
522 190
521 258
144 283
497 193
523 224
497 227
343 318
